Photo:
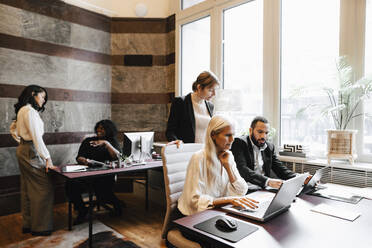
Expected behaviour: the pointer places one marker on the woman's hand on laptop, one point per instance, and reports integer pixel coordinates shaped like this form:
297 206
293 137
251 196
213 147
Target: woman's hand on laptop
244 202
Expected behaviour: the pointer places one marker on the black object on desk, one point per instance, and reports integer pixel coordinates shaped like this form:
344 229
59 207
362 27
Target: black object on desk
243 229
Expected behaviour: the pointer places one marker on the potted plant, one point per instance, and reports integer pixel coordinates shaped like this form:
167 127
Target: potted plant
343 106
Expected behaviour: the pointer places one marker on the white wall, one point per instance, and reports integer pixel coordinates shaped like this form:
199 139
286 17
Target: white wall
126 8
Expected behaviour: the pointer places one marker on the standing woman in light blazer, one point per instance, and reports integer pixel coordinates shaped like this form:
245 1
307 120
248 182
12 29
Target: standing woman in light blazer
189 115
37 193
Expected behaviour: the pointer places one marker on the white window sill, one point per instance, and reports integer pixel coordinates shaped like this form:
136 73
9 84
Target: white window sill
323 162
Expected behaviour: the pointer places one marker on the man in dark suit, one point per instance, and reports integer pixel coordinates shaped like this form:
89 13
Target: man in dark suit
255 157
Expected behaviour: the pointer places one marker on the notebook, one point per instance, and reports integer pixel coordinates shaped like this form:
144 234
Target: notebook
335 212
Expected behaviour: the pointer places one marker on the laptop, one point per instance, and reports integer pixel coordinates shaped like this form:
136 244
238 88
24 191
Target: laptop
271 204
311 185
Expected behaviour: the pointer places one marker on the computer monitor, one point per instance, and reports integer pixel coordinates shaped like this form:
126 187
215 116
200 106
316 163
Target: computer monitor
138 145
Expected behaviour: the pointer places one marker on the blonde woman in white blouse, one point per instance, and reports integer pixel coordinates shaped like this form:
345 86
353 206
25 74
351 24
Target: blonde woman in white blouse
212 178
37 193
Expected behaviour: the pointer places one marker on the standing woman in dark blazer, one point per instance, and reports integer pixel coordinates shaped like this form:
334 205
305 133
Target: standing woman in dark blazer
37 193
189 115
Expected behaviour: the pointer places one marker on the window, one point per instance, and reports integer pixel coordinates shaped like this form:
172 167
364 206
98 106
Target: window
242 56
263 51
188 3
367 137
309 50
195 51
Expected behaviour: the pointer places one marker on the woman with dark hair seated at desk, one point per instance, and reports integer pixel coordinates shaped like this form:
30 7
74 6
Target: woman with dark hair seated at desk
102 147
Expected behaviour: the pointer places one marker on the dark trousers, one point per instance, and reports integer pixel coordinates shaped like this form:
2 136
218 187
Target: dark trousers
103 189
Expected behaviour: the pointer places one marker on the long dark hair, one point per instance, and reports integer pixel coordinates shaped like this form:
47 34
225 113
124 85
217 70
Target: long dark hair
111 132
27 97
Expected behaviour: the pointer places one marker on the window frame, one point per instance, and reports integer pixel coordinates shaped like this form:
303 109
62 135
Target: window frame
352 14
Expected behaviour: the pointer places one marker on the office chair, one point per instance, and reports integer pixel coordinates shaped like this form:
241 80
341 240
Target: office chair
175 162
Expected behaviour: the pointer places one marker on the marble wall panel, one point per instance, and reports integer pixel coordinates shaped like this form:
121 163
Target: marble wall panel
10 20
7 113
129 43
170 77
74 116
139 117
171 42
88 76
24 68
61 154
8 161
43 28
60 116
136 79
90 39
30 25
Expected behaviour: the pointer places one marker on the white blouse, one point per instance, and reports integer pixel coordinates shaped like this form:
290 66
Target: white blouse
29 126
202 118
198 194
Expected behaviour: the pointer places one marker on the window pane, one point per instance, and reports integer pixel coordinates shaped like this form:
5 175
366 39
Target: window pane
188 3
368 71
195 51
368 49
242 56
310 46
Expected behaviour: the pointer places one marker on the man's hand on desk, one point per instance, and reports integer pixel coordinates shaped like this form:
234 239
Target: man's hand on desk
274 183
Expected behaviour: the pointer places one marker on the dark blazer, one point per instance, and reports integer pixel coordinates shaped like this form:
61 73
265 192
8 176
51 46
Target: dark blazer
181 121
243 154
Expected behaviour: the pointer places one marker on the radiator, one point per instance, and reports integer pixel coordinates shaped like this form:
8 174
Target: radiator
350 177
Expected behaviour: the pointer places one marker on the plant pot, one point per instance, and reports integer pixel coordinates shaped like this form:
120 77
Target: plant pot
341 145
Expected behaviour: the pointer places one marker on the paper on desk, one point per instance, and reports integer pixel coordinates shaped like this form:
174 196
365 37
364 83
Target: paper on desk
346 191
76 168
335 212
364 192
336 192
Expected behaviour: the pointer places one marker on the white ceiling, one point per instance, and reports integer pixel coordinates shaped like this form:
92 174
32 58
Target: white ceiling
126 8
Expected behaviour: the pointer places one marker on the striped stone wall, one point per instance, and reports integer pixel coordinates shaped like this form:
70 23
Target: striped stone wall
93 68
41 44
143 53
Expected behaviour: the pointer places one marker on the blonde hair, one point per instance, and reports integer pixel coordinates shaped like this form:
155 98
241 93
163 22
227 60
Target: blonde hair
205 79
215 126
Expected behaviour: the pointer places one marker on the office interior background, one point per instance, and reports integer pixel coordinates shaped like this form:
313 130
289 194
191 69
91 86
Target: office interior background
126 60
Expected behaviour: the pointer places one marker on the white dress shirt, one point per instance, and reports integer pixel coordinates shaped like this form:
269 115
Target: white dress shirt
29 126
258 160
198 192
202 117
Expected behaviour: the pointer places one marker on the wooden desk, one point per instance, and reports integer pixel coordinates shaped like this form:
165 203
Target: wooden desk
89 176
298 227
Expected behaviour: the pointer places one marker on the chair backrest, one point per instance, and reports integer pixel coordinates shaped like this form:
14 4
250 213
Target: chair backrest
175 162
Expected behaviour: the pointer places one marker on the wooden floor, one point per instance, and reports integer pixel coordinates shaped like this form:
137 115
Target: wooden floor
138 225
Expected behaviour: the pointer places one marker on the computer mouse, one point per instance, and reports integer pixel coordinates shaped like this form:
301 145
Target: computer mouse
226 224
